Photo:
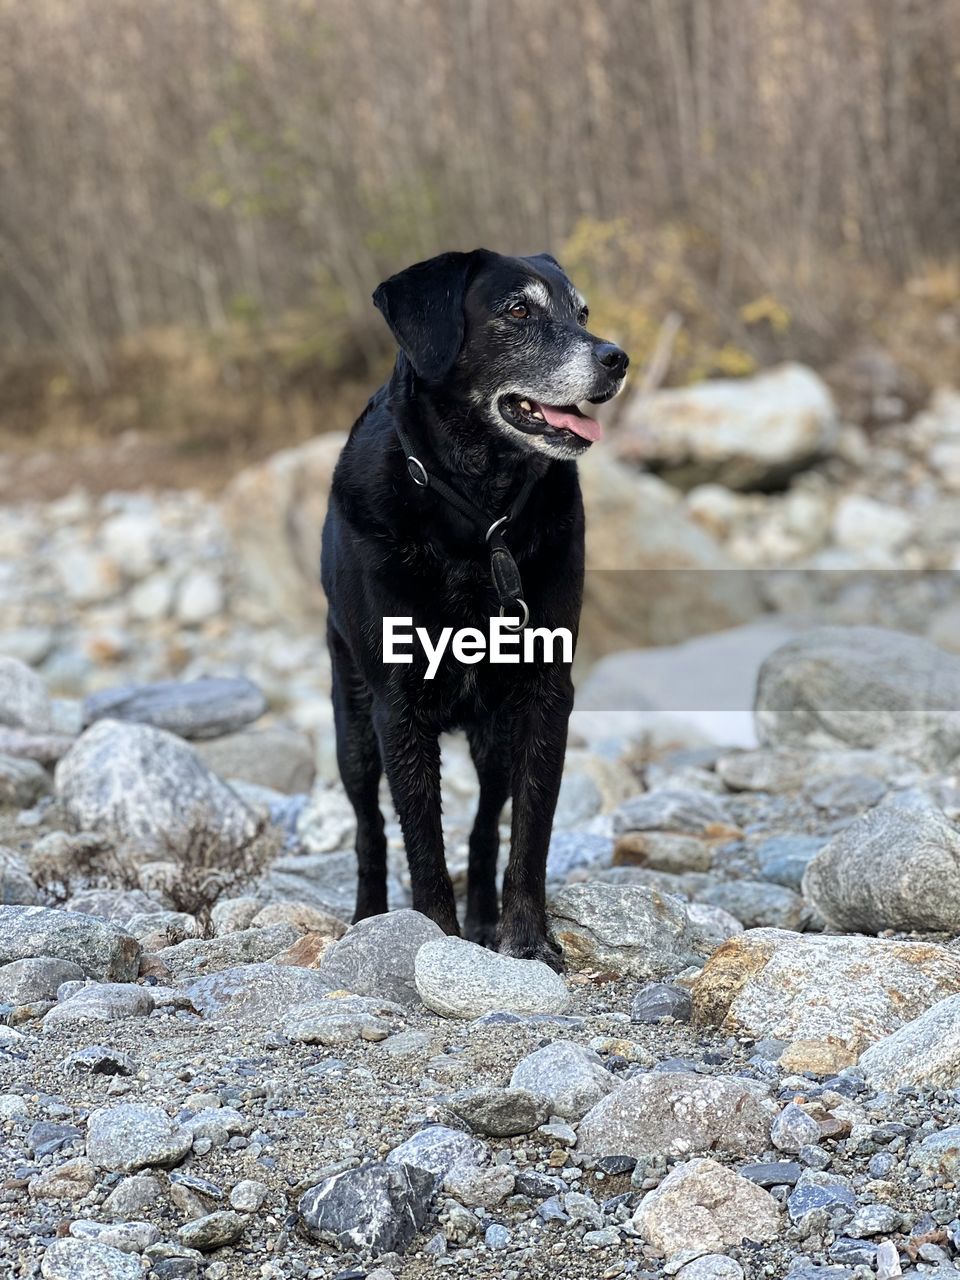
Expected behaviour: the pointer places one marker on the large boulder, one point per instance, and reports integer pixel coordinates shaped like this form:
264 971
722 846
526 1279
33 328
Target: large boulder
862 687
840 992
924 1052
745 433
892 869
102 950
143 786
459 979
625 929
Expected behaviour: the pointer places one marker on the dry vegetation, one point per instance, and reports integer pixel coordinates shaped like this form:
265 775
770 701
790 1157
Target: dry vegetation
197 198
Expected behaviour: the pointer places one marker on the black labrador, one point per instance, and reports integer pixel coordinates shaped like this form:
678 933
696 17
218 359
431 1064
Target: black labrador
479 421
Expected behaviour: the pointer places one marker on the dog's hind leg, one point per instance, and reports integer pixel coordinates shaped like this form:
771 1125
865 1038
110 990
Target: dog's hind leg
358 755
490 749
411 757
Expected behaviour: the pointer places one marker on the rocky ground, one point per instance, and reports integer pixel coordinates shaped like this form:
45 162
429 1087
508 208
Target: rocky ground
751 1067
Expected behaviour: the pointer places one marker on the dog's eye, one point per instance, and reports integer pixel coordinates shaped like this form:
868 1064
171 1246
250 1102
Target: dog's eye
520 311
584 316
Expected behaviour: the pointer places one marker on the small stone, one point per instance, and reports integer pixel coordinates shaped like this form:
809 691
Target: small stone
659 1000
818 1199
27 981
70 1259
200 597
374 1208
703 1206
711 1266
480 1188
773 1173
793 1129
22 782
571 1077
460 979
24 701
134 1136
439 1150
133 1197
497 1236
212 1231
627 929
497 1112
103 1002
248 1196
71 1180
377 956
98 1059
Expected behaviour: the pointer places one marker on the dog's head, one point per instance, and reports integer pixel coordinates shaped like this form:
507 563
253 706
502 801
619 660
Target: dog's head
510 337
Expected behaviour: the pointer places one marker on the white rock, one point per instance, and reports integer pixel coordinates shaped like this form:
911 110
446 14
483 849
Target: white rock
459 979
200 597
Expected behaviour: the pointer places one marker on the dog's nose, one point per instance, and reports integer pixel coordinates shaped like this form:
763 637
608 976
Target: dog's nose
612 358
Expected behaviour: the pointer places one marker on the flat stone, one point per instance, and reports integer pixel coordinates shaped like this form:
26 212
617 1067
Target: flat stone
193 957
255 994
497 1112
659 1000
772 1173
276 757
678 1113
480 1188
459 979
784 859
377 956
375 1209
26 981
134 1196
71 1180
701 1205
712 1266
115 905
212 1231
570 1076
101 950
70 1259
628 930
135 1136
128 1237
104 1002
695 813
205 708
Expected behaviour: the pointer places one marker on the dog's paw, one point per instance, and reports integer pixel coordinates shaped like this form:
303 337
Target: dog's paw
482 932
543 949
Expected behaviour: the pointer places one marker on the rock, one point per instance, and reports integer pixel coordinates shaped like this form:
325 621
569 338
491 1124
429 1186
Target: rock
200 597
664 851
758 904
135 1136
678 1113
44 748
105 1002
572 851
773 1173
275 757
817 1198
255 994
22 782
26 981
212 1231
459 979
861 523
499 1113
101 950
230 915
101 1060
891 869
155 930
327 822
248 1195
849 794
768 983
377 956
439 1150
659 1000
302 916
24 701
571 1077
710 927
376 1208
711 1266
629 930
17 886
480 1188
695 813
187 960
636 525
784 859
327 1026
702 1206
744 433
116 905
70 1259
862 687
924 1051
133 1197
71 1180
205 708
938 1155
794 1129
135 783
128 1237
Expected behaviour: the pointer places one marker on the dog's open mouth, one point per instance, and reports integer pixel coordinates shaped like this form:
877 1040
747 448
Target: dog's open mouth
537 418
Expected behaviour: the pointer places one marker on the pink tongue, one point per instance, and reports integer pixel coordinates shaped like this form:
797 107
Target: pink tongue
588 428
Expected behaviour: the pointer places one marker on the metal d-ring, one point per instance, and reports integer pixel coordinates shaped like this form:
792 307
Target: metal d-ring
417 472
524 620
495 526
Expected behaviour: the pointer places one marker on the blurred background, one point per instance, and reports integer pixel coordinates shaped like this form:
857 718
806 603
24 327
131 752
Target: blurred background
759 198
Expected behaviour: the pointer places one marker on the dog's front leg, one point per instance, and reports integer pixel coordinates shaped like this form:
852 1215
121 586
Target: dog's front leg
411 760
539 743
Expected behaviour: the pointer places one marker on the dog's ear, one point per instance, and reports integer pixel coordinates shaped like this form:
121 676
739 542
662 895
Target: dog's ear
424 308
546 257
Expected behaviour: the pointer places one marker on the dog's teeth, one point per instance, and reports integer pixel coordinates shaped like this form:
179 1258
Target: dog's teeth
525 404
537 414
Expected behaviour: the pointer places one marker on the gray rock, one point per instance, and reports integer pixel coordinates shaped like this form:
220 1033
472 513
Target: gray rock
577 851
497 1236
710 927
205 708
439 1150
116 905
659 1000
212 1231
758 904
629 930
712 1266
275 757
332 1027
24 701
134 783
375 1209
689 812
819 1199
571 1077
497 1112
678 1113
377 956
702 1206
848 794
132 1197
327 822
194 956
862 687
155 930
255 994
22 782
793 1129
891 869
70 1259
99 1059
135 1136
925 1051
784 859
773 1173
26 981
72 1180
128 1237
101 950
248 1195
874 1220
462 980
938 1155
104 1002
17 886
480 1188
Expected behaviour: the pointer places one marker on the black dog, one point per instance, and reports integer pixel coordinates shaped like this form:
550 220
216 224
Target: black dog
478 421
